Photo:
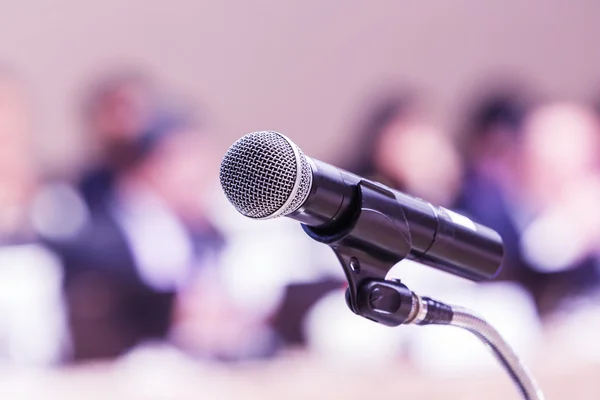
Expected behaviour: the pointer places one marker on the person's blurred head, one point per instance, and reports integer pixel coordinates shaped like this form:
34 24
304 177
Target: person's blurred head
119 109
561 146
401 106
400 147
493 129
17 170
177 158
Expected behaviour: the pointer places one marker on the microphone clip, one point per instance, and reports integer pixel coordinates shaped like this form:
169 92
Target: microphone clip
368 243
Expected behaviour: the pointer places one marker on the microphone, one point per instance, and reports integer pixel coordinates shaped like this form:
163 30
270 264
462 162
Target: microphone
265 175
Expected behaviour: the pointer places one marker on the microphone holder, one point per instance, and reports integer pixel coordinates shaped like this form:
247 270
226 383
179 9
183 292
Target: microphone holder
368 248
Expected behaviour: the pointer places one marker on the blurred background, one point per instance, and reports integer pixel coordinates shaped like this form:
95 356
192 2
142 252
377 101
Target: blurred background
124 272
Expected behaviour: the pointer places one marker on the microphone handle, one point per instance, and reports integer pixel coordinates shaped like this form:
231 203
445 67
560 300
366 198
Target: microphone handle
431 235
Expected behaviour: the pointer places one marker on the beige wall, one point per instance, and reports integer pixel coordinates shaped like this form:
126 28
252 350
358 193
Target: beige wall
299 66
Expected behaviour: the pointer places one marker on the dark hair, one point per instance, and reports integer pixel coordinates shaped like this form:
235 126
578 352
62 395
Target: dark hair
386 110
507 110
502 107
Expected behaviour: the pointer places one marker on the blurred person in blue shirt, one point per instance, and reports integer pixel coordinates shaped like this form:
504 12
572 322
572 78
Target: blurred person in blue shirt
521 158
492 134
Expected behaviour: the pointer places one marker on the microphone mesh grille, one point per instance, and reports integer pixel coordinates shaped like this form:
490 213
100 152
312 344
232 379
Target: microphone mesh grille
259 173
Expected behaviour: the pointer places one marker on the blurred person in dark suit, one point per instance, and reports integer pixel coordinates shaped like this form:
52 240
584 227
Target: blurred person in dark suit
148 234
492 136
516 171
147 265
118 110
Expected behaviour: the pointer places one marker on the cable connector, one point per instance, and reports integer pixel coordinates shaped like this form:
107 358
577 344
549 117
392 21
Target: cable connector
391 303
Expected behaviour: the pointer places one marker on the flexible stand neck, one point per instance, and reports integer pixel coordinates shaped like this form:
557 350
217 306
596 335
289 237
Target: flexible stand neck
392 303
466 319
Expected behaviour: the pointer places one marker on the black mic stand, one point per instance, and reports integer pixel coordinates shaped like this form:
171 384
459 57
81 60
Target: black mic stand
368 248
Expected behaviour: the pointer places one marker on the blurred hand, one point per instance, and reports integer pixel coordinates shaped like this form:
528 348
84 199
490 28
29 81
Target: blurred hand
207 322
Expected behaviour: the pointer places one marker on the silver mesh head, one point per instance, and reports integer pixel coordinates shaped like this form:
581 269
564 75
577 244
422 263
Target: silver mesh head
265 175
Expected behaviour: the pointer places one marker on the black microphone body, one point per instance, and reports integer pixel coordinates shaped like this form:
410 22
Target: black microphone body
265 175
437 237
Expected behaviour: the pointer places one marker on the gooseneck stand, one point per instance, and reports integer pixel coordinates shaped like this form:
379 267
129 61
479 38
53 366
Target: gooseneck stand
466 319
392 303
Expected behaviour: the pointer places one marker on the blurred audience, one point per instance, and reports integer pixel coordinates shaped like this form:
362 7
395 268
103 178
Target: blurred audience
151 256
